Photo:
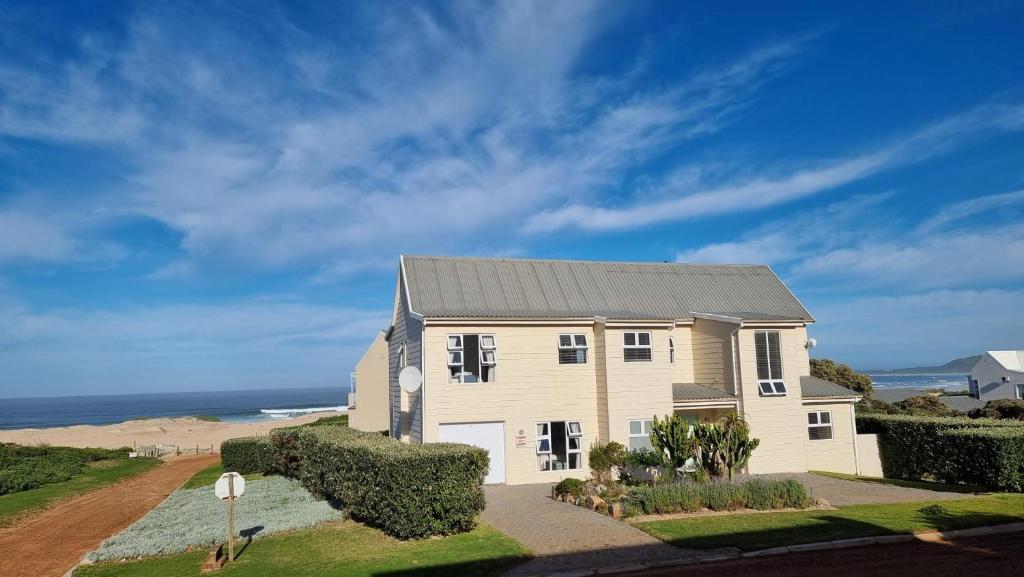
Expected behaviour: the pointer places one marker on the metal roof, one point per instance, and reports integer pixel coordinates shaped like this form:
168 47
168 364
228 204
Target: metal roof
528 288
815 388
682 392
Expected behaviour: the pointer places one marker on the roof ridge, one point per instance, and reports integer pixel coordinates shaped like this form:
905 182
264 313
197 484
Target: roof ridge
571 260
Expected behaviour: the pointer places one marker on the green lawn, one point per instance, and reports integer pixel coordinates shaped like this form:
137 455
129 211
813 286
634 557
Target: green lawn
344 549
99 474
763 530
209 476
930 486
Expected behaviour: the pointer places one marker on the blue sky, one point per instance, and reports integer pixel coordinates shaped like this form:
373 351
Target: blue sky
214 195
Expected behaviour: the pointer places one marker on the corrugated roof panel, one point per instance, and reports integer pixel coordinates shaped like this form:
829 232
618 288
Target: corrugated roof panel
682 392
815 388
475 287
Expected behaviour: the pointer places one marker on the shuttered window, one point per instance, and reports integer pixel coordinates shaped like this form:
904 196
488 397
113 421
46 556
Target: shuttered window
769 363
636 347
572 349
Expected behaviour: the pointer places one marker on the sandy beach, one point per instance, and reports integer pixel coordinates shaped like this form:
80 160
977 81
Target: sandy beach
185 432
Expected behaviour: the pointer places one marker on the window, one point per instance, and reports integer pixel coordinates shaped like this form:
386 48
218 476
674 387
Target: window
769 364
636 347
1020 391
819 425
403 357
472 359
572 349
972 388
559 445
1006 379
640 434
671 350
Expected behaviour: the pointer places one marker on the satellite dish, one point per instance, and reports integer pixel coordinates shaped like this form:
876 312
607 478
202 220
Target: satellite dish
811 343
410 379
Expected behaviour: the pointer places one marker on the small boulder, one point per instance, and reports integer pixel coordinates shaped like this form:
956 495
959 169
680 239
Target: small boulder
615 510
595 502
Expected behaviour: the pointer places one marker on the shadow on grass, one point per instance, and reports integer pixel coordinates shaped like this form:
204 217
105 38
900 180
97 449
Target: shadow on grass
831 528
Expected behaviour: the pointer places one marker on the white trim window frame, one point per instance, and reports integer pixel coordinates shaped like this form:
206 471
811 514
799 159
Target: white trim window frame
641 431
572 349
486 357
671 351
544 444
403 356
634 347
819 426
768 353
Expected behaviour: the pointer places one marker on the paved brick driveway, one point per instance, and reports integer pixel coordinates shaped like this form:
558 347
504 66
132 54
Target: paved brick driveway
565 537
840 492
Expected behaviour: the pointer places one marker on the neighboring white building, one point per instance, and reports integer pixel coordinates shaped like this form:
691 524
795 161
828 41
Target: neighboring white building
998 375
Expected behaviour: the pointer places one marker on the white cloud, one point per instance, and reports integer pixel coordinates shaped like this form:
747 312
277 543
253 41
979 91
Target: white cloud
765 191
432 131
25 236
918 329
971 207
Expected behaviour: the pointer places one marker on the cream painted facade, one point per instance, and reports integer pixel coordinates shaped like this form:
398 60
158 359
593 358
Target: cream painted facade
607 392
368 403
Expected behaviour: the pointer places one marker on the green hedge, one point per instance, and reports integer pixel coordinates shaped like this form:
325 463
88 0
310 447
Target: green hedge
687 497
934 448
406 490
986 457
247 455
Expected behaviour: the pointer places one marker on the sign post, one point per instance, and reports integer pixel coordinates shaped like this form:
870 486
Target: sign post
229 487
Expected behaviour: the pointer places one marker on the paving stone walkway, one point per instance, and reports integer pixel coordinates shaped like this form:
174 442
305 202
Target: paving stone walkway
566 538
841 492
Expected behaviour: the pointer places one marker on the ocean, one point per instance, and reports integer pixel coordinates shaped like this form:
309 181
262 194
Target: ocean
233 406
947 382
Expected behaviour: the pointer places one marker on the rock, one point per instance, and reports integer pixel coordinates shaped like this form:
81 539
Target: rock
214 561
615 510
819 502
593 502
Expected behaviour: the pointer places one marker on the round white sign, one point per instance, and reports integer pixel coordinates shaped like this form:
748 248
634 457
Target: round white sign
222 488
410 379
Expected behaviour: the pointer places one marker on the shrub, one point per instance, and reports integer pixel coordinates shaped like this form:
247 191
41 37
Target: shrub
673 438
23 468
986 457
724 495
763 494
725 446
1000 409
406 490
842 375
603 458
926 406
913 447
687 497
247 455
335 421
286 450
576 488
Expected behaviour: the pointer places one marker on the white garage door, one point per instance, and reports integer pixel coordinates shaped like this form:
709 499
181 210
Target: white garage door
487 436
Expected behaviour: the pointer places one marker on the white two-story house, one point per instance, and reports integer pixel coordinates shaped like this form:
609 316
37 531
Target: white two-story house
537 360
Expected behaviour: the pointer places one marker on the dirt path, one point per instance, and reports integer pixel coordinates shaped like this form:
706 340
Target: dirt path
52 542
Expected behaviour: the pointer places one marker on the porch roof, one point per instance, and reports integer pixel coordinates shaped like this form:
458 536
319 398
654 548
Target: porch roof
815 388
693 392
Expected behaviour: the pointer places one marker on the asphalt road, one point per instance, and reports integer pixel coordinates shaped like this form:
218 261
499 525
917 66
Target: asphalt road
996 555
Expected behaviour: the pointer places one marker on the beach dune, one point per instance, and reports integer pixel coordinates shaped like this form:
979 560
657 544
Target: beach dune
184 432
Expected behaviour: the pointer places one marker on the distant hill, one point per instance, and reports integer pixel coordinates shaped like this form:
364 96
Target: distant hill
954 367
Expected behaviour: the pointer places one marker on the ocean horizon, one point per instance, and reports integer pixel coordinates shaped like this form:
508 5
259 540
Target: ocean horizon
239 406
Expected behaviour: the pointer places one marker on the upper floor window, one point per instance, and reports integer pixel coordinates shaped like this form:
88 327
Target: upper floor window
1020 391
972 387
572 349
819 425
403 356
636 347
471 358
671 350
769 363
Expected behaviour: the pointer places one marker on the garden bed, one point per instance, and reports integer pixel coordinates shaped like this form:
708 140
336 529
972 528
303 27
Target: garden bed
194 518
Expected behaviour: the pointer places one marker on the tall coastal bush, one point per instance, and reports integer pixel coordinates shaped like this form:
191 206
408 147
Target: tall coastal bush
986 452
23 468
247 455
406 490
